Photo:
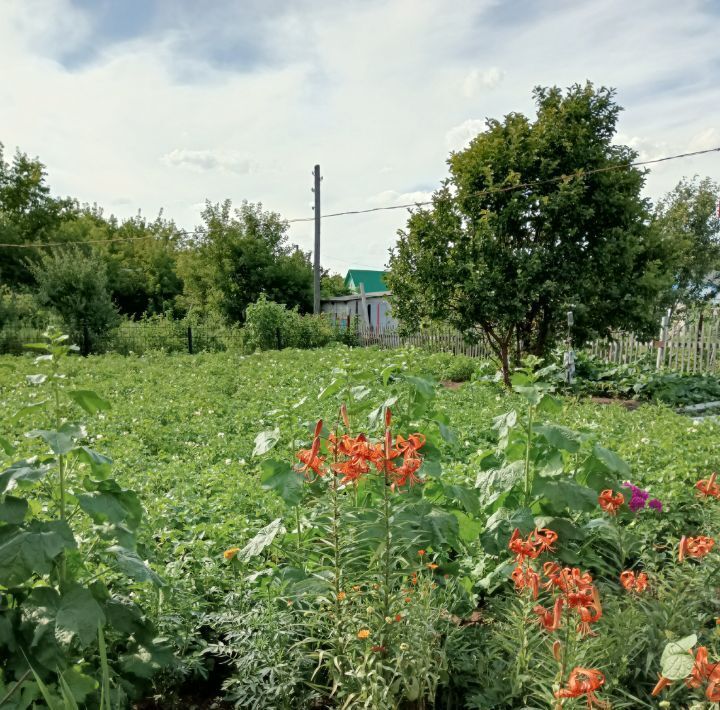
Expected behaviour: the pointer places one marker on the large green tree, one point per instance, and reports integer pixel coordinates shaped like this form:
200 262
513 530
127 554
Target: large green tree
536 218
28 213
239 254
73 282
688 223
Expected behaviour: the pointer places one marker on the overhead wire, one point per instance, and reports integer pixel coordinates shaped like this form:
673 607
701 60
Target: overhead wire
479 193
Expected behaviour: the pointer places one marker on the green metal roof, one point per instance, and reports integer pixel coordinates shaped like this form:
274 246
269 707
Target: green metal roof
373 280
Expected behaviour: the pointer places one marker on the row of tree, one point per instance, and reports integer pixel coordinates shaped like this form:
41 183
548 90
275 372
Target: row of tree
98 268
539 217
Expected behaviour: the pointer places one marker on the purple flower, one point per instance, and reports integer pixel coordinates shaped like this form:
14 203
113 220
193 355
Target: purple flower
655 504
638 498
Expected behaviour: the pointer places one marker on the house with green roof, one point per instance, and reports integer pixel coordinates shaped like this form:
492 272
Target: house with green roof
373 281
370 305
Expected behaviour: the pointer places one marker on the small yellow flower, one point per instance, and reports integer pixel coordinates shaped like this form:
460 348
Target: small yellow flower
341 596
432 565
363 633
231 552
356 588
388 620
404 647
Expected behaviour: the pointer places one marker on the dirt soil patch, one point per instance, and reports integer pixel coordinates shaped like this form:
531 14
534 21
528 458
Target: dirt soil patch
629 404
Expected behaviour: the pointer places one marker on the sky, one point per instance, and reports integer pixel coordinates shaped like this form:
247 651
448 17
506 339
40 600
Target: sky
143 105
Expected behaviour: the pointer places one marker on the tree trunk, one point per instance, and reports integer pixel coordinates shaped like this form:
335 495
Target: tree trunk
505 364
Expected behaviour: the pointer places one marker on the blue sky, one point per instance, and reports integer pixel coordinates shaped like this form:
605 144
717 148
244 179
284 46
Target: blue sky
162 104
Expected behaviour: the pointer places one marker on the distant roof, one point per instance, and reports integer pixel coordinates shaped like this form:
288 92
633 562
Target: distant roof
373 281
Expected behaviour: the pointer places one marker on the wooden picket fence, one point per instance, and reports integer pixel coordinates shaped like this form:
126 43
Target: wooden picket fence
687 345
435 339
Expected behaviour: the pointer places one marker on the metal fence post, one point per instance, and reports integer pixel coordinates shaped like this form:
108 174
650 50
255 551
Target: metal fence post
85 351
189 339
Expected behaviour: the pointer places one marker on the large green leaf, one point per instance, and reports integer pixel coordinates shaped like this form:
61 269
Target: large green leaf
280 477
498 481
27 409
559 436
263 539
99 463
562 495
467 497
78 617
441 528
88 400
611 461
677 661
59 442
12 510
6 446
112 506
423 387
22 472
31 550
130 563
265 441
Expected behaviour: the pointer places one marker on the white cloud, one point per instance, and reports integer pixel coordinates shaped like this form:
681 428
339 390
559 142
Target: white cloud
478 80
458 137
707 138
646 148
356 87
393 198
204 160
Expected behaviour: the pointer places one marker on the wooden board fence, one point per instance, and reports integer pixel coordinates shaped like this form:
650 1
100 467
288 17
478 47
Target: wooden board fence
437 340
690 344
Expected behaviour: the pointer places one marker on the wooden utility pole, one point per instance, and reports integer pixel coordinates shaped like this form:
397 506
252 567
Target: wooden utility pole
316 252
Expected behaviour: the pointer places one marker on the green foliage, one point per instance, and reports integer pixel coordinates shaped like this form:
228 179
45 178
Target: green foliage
63 573
508 263
643 381
184 441
687 223
28 213
239 255
74 285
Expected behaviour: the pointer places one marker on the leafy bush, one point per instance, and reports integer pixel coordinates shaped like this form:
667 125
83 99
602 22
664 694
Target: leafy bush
69 561
642 380
268 325
74 284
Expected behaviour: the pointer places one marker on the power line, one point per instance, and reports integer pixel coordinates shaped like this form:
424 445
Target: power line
480 193
509 188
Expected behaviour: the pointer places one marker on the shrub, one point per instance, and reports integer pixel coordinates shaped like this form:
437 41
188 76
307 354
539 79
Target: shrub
266 323
74 284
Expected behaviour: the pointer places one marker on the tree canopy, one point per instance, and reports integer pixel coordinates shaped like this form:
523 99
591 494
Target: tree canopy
689 226
537 217
240 253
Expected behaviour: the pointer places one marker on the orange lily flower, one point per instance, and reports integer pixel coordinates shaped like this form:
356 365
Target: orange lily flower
708 487
610 502
405 474
537 542
544 539
526 579
696 547
662 683
310 457
584 681
409 447
634 583
550 620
